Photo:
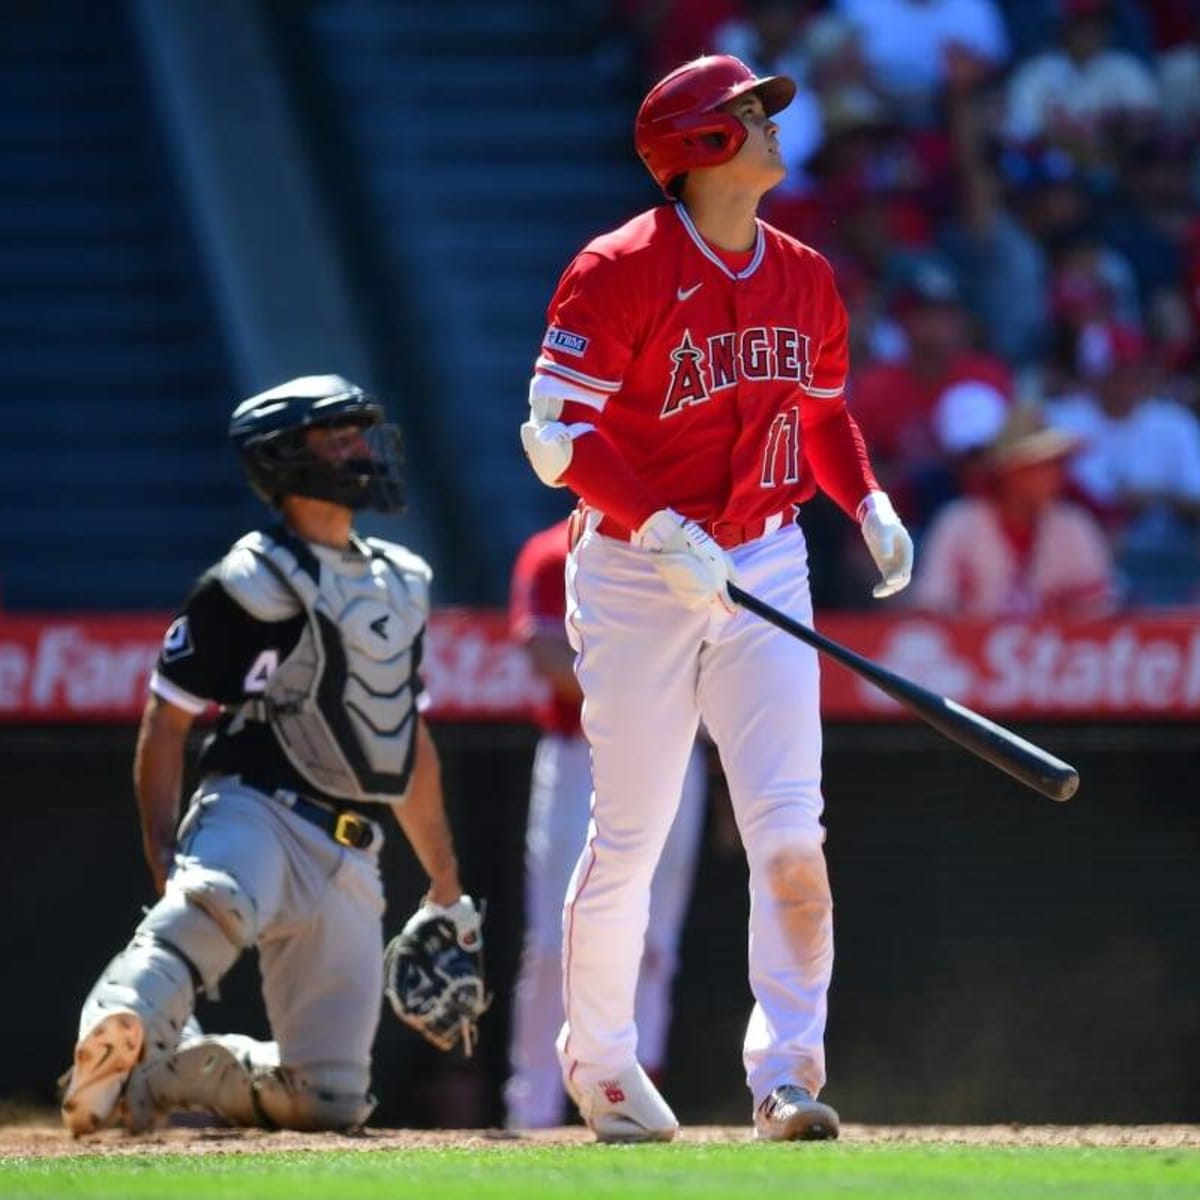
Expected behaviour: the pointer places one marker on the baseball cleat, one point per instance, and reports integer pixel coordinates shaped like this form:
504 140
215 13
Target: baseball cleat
625 1108
104 1057
790 1114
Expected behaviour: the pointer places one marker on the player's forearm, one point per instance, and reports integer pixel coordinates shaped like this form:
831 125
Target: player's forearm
158 782
837 454
422 817
602 478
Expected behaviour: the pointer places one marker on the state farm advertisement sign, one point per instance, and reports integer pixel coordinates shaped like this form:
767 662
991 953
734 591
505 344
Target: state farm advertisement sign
62 669
1138 667
96 668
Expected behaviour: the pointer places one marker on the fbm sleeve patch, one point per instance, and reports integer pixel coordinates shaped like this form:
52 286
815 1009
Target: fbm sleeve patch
574 344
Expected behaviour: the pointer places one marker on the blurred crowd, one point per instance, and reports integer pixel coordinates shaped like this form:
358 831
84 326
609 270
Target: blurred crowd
1008 192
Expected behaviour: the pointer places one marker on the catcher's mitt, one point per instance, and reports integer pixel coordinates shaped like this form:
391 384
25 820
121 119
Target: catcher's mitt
433 973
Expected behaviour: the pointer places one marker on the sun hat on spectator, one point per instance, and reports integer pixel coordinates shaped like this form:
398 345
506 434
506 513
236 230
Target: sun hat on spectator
1026 439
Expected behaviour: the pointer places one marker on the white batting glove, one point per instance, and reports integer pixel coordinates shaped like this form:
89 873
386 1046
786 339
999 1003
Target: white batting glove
888 542
691 564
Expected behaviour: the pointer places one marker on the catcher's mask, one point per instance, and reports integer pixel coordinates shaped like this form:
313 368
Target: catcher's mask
268 431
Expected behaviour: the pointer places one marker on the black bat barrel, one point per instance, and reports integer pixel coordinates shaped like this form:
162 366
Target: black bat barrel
1033 766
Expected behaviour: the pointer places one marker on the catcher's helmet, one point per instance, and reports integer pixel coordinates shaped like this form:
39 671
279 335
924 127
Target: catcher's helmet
679 125
268 431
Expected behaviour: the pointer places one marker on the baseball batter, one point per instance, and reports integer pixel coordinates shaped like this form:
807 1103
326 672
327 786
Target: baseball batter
690 391
309 639
556 831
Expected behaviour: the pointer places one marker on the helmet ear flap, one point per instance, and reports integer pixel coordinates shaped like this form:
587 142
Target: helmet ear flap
700 140
708 140
719 134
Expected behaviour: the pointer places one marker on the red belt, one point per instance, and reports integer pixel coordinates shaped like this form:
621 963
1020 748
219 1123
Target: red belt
727 534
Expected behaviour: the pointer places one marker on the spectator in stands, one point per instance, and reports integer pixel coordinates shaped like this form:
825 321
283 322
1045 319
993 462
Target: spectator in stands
997 254
1017 549
894 401
1091 283
770 36
967 418
906 42
1072 93
1179 78
1149 215
1036 25
1140 464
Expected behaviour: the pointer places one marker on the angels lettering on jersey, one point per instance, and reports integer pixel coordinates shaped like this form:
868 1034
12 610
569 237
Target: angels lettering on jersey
705 366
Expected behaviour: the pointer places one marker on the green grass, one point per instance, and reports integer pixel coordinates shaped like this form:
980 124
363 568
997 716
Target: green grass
755 1172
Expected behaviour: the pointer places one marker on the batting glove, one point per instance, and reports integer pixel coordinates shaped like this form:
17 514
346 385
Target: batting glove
691 564
888 542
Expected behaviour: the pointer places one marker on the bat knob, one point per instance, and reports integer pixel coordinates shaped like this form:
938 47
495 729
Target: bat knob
1065 785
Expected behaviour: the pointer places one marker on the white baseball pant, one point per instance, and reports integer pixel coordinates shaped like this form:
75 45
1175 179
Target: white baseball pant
650 669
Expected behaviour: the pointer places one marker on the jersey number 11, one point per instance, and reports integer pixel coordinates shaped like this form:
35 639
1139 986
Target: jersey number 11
783 440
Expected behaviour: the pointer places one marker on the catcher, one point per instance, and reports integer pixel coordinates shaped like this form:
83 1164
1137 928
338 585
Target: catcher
308 638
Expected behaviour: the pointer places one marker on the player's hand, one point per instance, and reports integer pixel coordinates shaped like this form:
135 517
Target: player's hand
691 564
888 542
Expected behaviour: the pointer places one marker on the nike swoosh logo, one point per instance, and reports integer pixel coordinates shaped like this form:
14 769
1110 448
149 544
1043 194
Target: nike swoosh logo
686 293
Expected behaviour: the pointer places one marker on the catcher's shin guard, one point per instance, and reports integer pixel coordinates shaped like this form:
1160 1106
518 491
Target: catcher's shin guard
241 1080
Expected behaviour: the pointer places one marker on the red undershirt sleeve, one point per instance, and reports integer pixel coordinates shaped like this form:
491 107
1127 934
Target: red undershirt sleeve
833 443
837 454
603 479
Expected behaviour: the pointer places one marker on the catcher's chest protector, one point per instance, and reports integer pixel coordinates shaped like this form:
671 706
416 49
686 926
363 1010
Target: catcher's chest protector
342 705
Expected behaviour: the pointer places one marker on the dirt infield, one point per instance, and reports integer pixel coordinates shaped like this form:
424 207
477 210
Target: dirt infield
45 1138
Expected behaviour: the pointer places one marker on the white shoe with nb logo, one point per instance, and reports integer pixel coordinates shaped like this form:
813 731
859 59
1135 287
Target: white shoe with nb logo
790 1114
625 1108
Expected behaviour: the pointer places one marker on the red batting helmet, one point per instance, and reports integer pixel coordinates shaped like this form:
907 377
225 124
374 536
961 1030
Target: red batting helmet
679 125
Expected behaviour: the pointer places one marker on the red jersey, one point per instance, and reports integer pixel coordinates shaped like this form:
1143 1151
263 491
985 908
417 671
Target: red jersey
709 381
537 603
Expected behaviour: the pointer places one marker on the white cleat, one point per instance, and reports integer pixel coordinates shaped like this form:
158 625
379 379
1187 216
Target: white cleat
790 1114
625 1108
104 1057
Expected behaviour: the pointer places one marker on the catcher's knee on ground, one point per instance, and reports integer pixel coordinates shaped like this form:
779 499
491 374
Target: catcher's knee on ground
241 1080
137 1009
185 943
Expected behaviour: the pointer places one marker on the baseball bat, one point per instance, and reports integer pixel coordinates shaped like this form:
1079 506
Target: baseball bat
1024 761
